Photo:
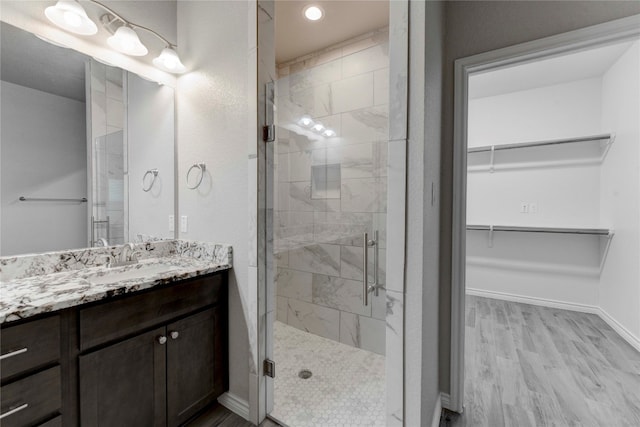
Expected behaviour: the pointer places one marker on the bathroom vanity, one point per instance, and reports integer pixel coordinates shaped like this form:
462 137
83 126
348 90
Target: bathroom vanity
139 345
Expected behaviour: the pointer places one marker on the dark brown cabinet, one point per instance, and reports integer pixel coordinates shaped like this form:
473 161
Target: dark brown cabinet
123 384
31 390
162 377
153 358
195 375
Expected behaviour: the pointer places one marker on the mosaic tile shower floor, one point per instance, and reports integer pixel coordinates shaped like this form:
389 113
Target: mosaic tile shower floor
347 386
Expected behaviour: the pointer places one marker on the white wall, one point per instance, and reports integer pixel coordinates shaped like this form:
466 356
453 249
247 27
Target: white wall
213 122
43 154
619 294
150 145
561 268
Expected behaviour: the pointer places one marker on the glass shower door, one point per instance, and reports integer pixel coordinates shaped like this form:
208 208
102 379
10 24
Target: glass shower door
106 148
329 239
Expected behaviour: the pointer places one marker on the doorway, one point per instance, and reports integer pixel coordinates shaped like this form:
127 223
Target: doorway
327 304
329 219
539 231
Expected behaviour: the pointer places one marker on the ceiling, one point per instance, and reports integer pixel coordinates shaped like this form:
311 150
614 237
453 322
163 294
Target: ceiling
586 64
26 60
344 19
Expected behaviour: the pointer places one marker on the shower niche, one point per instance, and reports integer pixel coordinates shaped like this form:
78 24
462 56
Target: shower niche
325 181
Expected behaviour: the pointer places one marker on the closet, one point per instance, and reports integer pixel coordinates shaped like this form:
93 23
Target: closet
553 184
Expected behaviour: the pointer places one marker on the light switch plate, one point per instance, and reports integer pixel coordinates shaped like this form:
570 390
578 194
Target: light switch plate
183 224
533 208
524 207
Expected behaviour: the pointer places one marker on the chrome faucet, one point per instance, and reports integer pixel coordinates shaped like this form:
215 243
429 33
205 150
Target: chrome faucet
128 254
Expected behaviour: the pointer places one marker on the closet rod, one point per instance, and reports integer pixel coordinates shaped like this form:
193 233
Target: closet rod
592 231
539 143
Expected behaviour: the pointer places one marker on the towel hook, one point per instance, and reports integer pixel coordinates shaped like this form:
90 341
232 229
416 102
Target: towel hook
202 167
154 173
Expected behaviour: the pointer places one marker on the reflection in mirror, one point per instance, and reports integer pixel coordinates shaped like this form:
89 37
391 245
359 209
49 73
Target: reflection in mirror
77 138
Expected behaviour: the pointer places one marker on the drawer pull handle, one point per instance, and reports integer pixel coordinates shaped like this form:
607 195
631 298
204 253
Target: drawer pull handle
162 340
14 410
13 353
174 335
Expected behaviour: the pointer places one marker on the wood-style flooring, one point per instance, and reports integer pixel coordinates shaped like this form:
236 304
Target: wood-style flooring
220 416
535 366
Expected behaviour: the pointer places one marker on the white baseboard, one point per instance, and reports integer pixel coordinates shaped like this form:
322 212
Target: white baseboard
583 308
235 404
621 330
437 411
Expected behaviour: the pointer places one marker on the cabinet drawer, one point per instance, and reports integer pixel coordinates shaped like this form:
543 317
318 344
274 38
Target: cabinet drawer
31 399
109 321
29 345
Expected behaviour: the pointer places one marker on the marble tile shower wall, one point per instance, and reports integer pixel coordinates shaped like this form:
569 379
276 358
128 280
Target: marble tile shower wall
320 216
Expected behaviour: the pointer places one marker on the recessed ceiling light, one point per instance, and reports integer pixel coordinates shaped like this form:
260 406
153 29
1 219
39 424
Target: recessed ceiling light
313 12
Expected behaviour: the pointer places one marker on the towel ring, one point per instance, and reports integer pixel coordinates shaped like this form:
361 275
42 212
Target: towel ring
153 172
202 167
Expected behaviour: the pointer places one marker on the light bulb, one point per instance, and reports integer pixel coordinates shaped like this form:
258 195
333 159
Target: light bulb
71 16
318 127
313 13
329 133
126 40
169 61
306 121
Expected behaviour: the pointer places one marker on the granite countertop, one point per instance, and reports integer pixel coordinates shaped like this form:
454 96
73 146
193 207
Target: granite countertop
68 284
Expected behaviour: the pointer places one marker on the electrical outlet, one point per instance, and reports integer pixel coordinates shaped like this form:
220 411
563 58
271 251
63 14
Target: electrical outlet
172 223
183 224
524 207
533 208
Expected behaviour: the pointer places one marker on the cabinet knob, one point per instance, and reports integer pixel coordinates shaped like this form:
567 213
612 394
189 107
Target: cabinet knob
174 335
162 339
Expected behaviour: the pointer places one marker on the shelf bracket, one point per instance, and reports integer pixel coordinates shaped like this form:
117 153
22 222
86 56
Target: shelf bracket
606 249
493 153
607 146
490 243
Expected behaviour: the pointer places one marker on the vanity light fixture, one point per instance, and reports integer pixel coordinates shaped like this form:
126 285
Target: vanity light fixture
169 61
313 12
126 41
71 16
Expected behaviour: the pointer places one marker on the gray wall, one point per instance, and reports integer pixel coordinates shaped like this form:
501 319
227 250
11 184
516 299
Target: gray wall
479 26
43 155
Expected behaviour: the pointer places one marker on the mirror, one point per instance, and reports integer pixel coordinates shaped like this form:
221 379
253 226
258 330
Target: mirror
86 150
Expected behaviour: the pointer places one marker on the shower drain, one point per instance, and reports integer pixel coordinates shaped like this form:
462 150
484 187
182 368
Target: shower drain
305 374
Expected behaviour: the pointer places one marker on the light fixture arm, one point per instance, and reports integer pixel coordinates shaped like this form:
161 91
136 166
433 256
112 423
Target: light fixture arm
133 25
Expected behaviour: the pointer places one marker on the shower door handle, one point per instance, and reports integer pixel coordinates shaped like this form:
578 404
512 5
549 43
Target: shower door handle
366 287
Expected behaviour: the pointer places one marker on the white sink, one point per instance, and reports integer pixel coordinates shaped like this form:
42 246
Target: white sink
117 274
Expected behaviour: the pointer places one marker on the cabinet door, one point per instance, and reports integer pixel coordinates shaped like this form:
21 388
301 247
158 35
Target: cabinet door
124 384
195 355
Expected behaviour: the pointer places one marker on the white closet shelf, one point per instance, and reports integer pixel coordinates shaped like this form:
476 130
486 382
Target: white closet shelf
556 230
602 137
